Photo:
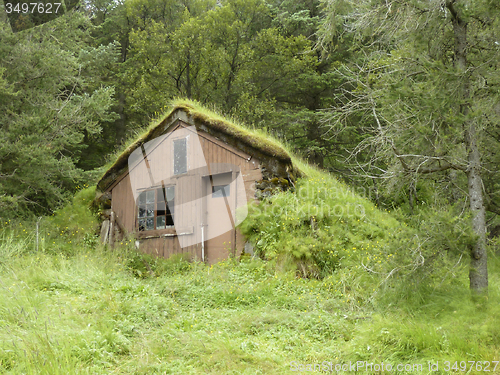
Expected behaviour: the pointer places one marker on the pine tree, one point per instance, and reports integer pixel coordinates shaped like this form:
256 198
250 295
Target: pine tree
424 93
51 96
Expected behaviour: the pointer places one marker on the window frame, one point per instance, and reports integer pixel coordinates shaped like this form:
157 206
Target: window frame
223 190
186 140
155 230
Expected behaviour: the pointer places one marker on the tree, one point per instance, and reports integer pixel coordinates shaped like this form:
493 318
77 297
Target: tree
199 58
252 59
423 95
51 96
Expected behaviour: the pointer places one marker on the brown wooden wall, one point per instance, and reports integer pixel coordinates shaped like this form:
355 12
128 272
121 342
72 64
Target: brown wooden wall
189 186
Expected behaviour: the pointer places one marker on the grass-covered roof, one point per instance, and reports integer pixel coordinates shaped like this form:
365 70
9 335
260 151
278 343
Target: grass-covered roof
209 120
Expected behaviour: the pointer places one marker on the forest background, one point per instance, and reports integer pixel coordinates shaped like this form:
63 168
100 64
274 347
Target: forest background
399 100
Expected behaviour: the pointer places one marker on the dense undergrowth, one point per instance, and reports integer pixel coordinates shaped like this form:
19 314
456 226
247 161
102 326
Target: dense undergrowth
323 229
74 307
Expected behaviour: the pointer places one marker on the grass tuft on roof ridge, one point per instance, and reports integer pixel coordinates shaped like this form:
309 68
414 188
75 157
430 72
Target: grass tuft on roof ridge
255 138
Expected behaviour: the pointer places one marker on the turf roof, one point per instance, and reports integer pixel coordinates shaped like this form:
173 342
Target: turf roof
212 120
252 138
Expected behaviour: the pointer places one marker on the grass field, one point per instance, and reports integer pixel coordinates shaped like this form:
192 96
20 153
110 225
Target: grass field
71 306
96 312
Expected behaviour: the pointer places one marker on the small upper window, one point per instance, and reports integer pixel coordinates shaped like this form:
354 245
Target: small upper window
220 191
180 156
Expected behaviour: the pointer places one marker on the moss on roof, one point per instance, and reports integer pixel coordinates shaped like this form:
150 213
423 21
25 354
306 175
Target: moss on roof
253 138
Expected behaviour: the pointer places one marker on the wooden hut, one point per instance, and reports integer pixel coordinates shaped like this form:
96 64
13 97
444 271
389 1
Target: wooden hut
208 169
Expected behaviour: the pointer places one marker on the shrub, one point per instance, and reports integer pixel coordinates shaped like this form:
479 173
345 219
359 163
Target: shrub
317 226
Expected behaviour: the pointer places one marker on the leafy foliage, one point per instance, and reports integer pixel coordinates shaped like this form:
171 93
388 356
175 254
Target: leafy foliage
51 98
420 95
319 226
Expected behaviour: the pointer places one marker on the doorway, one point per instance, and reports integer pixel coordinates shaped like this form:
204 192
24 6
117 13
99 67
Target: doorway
219 212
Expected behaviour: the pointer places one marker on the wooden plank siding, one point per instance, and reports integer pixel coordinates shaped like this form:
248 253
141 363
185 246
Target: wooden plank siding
122 203
188 188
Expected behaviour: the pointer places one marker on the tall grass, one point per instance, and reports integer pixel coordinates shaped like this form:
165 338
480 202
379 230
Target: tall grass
74 307
90 313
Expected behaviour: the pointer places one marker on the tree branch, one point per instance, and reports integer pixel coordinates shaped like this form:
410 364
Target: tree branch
450 5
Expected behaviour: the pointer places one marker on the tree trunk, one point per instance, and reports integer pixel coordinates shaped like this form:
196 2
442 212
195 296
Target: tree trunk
412 195
188 75
478 273
121 123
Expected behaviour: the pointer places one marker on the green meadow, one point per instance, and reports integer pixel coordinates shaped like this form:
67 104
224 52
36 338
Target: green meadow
73 306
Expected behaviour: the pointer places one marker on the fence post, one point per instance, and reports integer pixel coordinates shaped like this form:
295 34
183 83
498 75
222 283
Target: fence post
37 231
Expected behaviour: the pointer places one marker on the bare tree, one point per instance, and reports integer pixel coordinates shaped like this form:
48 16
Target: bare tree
422 92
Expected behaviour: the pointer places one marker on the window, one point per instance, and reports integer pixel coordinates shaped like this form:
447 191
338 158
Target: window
156 208
180 156
220 191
